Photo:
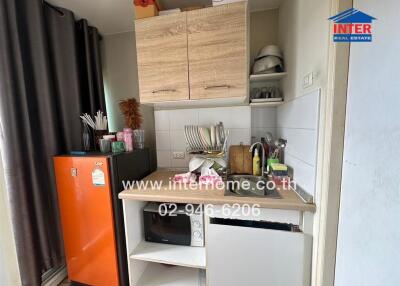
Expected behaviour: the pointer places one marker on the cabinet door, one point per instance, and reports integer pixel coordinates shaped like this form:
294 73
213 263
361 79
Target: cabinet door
239 256
161 44
217 50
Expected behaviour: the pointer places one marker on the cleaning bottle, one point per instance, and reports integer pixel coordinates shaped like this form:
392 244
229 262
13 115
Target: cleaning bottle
256 163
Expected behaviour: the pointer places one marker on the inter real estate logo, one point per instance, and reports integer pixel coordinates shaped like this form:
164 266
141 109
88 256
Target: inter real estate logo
352 26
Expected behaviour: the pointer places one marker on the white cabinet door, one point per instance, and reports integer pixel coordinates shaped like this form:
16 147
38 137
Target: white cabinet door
238 256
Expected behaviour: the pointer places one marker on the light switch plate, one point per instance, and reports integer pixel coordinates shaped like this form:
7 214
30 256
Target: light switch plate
308 80
178 155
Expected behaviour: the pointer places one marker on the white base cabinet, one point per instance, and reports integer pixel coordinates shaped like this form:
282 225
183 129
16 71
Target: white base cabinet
233 255
238 256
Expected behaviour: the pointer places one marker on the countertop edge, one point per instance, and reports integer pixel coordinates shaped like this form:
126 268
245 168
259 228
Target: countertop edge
151 195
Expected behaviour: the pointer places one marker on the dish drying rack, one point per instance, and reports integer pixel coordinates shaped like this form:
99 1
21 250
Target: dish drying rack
216 151
210 151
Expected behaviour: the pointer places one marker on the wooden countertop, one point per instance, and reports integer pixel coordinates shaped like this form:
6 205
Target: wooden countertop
289 200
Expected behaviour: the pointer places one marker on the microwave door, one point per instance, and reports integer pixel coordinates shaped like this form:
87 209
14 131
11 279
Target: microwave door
168 229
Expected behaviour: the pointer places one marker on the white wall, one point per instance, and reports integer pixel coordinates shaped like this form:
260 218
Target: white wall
369 233
121 82
9 272
304 39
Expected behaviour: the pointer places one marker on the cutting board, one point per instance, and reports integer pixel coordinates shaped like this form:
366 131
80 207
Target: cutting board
240 160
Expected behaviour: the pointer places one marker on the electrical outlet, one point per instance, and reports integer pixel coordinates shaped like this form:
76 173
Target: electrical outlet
308 80
179 155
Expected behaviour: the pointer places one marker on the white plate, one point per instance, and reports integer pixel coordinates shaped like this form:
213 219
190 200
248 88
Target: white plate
207 136
197 135
187 136
217 136
213 137
203 141
193 138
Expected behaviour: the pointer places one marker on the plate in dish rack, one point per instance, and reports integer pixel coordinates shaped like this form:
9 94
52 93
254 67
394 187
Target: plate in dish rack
186 136
203 140
207 136
193 133
190 139
198 137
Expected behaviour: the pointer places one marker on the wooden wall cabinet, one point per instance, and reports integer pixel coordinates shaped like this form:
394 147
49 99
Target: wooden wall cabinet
161 44
217 40
200 54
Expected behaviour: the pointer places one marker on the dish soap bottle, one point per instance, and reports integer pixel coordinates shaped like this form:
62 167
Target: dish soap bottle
256 163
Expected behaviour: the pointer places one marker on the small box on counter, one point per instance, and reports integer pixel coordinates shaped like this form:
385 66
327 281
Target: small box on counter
146 8
279 174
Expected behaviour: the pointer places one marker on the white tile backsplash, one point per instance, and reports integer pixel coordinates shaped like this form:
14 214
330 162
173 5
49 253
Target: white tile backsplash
302 112
163 159
297 122
163 140
302 143
258 133
161 120
303 173
170 128
239 135
232 117
180 117
239 117
212 116
178 141
263 117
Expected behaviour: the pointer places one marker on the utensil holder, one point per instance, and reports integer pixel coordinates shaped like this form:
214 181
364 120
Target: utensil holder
99 135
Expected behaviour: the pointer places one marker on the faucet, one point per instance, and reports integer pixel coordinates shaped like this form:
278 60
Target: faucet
263 155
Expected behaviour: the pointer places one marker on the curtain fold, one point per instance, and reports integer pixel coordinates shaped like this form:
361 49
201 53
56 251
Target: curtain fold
91 74
42 93
63 57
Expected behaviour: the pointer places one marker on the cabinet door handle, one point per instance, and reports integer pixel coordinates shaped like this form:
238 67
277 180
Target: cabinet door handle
163 90
217 86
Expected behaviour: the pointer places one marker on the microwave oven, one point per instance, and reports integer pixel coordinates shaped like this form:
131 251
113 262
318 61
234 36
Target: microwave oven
173 224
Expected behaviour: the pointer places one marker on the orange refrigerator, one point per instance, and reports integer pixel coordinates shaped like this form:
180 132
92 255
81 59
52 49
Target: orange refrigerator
91 213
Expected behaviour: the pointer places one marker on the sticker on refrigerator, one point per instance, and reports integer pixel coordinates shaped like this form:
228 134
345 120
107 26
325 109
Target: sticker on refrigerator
98 178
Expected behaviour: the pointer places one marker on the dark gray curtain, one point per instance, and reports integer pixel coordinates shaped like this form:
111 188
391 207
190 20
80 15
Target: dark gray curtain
90 68
50 72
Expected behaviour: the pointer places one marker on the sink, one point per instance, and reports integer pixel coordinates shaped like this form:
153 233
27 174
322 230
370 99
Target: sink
249 186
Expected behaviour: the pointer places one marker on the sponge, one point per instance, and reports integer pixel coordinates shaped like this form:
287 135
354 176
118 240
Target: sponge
279 167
